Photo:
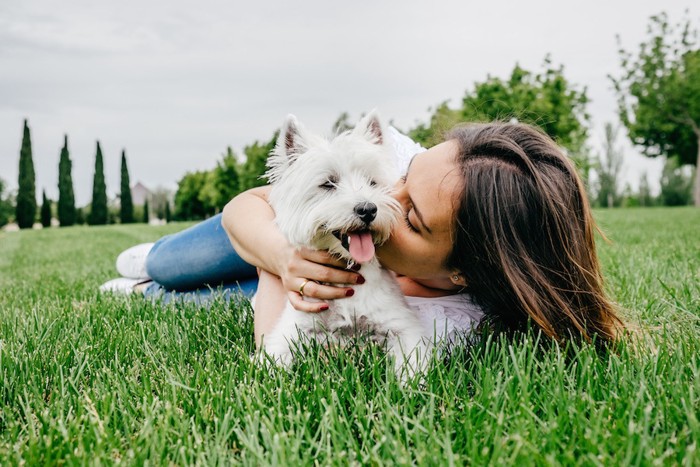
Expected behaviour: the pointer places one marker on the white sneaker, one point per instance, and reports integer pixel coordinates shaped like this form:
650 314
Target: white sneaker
131 263
121 285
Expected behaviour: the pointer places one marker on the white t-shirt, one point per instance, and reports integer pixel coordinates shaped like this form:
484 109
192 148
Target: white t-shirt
447 318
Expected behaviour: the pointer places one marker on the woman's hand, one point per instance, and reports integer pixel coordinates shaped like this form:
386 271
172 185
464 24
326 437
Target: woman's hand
260 243
309 268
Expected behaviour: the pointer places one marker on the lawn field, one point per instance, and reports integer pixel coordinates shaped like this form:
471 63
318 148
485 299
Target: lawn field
87 378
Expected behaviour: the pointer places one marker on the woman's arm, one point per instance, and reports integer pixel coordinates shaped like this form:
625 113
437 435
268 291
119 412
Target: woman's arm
249 222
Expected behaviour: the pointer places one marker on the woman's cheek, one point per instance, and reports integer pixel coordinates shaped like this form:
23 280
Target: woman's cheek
397 252
390 253
396 241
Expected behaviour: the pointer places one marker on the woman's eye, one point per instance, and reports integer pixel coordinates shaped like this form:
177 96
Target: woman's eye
408 223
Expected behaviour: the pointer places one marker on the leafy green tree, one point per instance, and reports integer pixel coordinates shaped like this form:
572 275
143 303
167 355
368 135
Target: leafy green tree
126 209
227 179
676 185
609 169
45 210
659 94
25 210
254 166
441 121
221 184
205 193
188 205
209 194
98 209
7 204
546 99
66 197
146 212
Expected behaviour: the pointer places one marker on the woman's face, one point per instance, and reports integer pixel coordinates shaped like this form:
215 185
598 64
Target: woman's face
419 246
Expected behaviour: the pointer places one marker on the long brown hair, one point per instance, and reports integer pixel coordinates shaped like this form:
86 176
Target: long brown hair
524 235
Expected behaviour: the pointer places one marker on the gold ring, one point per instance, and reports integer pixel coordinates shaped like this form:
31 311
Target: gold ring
301 287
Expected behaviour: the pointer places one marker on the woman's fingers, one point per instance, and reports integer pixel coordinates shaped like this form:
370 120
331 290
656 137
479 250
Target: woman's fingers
322 273
324 292
322 257
309 307
317 291
314 274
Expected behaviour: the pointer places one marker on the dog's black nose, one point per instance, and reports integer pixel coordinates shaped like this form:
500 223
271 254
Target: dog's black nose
366 211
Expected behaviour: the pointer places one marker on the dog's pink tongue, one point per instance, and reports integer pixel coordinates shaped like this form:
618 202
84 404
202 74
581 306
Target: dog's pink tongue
361 246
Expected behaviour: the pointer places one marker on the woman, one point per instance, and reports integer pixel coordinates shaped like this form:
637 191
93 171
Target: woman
495 215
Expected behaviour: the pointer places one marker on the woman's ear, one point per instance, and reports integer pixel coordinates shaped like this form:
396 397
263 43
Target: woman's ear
458 279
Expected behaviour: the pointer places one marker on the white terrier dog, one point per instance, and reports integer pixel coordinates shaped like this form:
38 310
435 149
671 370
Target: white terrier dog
335 195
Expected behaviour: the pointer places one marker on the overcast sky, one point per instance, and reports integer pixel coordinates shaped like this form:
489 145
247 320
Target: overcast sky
176 82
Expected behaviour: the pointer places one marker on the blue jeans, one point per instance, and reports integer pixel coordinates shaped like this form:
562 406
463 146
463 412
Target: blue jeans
192 264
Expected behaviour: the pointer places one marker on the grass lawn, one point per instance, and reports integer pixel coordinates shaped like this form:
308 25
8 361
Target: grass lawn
89 378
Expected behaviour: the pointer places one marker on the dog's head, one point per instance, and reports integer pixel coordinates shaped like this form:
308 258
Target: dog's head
334 195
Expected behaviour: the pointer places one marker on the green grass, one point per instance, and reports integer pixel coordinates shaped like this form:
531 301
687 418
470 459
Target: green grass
86 378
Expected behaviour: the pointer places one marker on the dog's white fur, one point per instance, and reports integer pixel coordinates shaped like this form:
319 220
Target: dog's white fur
355 168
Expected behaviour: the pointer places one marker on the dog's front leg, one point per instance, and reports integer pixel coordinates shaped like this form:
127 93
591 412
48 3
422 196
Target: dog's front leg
281 342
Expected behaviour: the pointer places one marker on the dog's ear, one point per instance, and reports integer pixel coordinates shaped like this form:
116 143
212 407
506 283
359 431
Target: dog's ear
291 140
290 144
371 128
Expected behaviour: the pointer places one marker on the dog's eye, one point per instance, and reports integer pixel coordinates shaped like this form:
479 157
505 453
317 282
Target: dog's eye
372 183
330 184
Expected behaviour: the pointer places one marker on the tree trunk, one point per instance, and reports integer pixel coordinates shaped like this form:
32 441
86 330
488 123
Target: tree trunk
696 190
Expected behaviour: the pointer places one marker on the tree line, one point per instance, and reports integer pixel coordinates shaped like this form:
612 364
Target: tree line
23 208
204 193
658 91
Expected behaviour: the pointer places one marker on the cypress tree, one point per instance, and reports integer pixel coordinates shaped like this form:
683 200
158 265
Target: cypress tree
127 206
168 216
25 211
98 209
146 214
66 198
45 210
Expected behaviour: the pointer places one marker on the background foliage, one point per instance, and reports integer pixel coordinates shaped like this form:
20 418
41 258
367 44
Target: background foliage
205 193
658 89
545 99
7 204
659 93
